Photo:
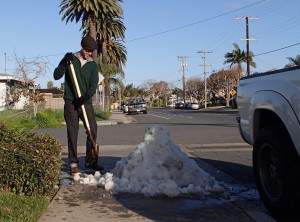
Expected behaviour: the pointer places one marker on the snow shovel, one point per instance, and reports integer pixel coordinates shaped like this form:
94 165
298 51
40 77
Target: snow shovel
95 147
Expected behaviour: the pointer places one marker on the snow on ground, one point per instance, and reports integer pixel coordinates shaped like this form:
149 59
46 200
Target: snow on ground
156 167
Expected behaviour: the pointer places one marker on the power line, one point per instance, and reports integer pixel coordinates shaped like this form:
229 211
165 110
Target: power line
195 23
275 50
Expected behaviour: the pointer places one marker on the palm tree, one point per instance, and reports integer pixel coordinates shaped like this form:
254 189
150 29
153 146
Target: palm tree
110 31
237 56
293 61
89 12
101 19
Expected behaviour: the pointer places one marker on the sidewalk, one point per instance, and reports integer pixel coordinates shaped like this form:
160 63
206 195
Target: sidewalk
117 117
76 202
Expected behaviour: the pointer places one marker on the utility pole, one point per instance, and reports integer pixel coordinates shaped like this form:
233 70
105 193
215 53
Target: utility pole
247 41
204 65
183 64
5 63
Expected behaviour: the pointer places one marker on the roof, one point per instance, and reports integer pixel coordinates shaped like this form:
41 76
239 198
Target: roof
52 90
9 77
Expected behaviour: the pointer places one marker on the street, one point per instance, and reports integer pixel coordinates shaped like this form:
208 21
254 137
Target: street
210 138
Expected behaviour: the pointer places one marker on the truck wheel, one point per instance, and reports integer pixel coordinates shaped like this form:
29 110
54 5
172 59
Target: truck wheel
276 170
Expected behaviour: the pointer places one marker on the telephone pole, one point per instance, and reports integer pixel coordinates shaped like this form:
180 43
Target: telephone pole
204 65
183 64
247 41
5 63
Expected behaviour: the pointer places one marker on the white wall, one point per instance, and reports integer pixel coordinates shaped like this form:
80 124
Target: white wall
2 95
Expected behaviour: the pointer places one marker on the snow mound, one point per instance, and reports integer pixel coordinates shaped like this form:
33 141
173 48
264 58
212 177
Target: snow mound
158 167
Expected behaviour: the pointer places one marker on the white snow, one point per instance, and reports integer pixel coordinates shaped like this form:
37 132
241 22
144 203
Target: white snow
156 167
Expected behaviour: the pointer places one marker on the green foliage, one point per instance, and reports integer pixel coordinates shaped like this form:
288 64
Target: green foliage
21 208
49 118
30 163
102 115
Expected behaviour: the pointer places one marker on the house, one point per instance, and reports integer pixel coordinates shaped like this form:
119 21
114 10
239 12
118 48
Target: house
6 101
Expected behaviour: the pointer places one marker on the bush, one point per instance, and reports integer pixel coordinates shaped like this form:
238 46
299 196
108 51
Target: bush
30 164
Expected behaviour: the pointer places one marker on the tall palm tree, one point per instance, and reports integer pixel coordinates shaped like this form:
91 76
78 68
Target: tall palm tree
101 19
237 57
110 32
293 61
89 12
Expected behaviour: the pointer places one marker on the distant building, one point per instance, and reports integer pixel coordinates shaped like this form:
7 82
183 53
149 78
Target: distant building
53 98
6 81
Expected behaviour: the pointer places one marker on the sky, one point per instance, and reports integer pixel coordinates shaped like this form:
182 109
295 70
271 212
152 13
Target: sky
158 33
156 166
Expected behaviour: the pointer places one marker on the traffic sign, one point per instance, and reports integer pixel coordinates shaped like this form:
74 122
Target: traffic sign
232 92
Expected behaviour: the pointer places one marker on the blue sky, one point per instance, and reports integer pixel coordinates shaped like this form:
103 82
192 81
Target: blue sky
157 32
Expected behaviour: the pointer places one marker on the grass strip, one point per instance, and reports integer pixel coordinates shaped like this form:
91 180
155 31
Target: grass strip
17 208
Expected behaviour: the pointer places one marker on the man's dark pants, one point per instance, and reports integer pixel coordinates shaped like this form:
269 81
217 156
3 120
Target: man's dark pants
72 116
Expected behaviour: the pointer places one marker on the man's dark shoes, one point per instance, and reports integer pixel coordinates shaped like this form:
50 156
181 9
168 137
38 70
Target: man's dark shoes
94 167
74 170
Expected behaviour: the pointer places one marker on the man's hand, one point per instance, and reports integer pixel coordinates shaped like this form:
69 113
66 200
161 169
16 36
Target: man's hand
67 58
78 102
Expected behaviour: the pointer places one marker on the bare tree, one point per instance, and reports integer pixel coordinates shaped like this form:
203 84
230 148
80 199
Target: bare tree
222 82
195 89
157 92
28 70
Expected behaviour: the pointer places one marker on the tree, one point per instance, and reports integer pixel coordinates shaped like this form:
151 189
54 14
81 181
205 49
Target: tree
195 89
50 85
157 92
293 61
178 92
237 57
101 19
28 71
221 83
131 91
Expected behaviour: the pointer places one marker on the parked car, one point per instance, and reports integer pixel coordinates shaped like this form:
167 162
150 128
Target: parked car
137 105
179 105
125 108
194 106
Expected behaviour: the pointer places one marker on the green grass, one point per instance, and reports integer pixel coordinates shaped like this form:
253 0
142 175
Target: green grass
15 208
46 118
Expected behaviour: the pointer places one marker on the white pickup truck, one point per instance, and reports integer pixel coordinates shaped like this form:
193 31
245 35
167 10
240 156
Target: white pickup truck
269 120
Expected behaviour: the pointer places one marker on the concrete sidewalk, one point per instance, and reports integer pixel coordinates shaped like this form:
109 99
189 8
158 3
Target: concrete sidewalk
76 202
117 117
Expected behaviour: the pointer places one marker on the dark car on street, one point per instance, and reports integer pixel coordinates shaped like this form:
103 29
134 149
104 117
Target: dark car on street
179 105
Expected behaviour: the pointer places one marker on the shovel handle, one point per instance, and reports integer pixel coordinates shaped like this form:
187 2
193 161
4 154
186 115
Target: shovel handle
95 151
79 95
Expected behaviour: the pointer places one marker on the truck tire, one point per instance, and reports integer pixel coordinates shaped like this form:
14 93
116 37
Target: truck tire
276 171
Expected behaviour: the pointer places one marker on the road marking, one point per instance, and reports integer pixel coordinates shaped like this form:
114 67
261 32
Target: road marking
159 116
219 149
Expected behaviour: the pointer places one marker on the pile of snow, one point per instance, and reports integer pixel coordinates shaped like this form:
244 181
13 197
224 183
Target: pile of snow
157 166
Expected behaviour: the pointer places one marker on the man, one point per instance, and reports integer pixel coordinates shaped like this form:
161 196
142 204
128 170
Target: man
86 71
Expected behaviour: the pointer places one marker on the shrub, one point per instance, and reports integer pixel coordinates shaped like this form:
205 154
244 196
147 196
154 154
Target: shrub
30 164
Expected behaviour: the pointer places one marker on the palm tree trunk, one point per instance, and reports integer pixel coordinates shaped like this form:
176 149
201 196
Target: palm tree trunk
93 35
106 77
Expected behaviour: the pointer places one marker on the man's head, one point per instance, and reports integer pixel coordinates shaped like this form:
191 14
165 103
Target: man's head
88 45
